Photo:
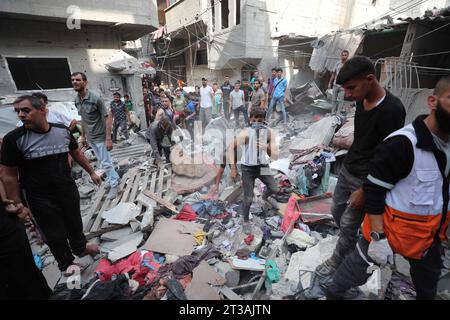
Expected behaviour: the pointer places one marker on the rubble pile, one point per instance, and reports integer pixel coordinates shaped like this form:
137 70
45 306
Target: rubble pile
166 237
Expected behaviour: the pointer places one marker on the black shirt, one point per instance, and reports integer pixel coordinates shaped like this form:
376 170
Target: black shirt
41 158
371 128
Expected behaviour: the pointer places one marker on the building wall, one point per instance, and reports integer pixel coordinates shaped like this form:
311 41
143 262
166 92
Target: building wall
184 12
142 12
254 42
87 50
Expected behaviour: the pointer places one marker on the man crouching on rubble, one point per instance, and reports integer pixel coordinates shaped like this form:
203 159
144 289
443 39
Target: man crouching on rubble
155 135
36 154
257 141
378 114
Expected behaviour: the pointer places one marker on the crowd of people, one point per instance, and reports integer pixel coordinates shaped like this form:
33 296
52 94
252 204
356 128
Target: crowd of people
219 100
392 194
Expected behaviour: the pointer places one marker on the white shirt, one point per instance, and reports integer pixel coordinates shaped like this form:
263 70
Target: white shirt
206 96
54 116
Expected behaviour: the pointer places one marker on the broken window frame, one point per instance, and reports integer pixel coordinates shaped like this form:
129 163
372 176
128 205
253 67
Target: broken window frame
13 81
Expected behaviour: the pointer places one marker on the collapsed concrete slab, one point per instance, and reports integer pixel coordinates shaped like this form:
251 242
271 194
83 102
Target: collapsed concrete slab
304 263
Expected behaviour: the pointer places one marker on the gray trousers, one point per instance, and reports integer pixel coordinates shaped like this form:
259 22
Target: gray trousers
347 219
205 116
249 175
337 100
123 125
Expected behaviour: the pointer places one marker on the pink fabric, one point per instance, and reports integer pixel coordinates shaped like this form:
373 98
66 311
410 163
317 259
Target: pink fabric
292 213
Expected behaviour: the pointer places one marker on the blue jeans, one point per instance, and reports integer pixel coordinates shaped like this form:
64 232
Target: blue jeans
273 103
104 157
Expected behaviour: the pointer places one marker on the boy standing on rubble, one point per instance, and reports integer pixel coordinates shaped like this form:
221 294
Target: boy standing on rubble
257 141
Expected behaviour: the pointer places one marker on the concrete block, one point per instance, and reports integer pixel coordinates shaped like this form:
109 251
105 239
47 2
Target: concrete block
116 234
126 248
232 276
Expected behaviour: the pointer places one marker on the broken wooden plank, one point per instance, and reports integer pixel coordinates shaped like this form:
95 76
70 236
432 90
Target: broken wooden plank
135 188
160 183
153 182
169 179
161 201
129 185
87 219
114 202
99 218
143 187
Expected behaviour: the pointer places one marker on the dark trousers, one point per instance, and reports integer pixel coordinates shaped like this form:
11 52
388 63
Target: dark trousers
348 219
352 272
249 175
166 151
20 279
123 125
226 110
236 112
59 218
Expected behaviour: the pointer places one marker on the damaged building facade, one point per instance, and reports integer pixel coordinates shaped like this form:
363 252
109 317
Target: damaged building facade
42 44
236 37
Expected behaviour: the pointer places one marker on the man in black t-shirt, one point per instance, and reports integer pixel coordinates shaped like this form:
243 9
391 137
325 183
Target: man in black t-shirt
226 90
36 155
378 114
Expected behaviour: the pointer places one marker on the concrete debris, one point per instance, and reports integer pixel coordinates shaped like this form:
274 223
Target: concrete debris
116 234
125 248
140 223
281 165
121 214
232 276
304 263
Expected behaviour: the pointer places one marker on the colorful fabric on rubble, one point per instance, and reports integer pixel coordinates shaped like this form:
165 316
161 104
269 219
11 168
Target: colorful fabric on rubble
144 264
292 213
208 208
186 213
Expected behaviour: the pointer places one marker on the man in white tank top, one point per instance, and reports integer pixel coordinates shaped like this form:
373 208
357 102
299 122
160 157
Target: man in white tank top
257 142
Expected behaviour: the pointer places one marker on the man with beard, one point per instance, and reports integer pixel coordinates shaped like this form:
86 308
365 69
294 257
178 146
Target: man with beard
406 202
378 114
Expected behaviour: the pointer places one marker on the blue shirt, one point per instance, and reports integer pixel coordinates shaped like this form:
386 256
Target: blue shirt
191 107
279 88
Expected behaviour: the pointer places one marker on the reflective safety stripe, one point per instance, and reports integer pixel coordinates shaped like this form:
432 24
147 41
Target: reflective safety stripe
380 183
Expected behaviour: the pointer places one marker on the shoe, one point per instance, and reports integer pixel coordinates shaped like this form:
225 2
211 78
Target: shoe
247 228
112 194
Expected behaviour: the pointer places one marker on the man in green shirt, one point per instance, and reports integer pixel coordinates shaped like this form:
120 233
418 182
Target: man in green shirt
128 102
96 124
